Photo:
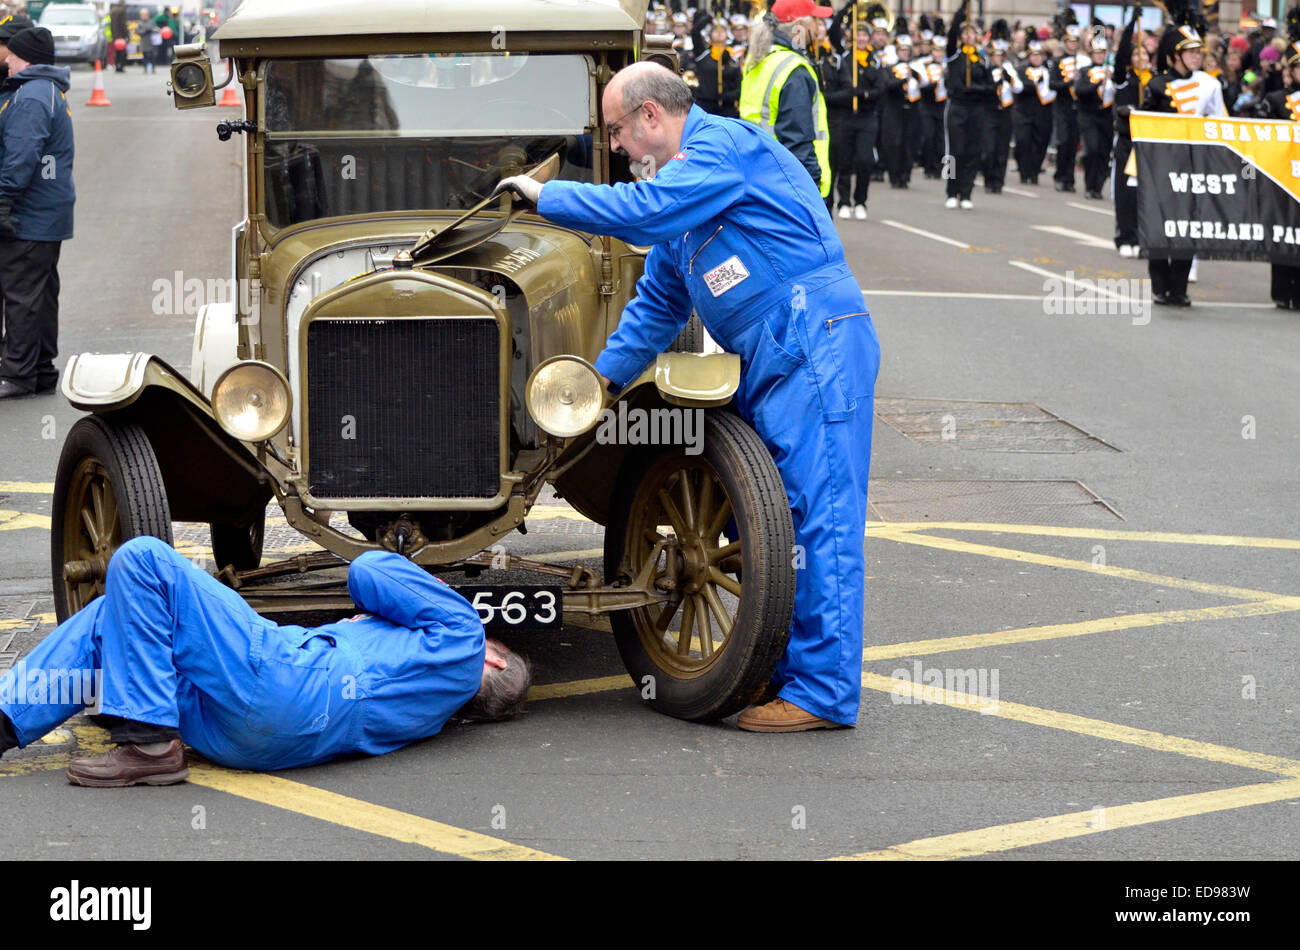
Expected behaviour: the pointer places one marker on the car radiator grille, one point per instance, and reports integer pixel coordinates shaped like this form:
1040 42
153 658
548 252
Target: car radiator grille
403 408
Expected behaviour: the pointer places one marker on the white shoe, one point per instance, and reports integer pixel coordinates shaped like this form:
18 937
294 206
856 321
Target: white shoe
967 203
1191 274
860 212
950 203
1125 250
1134 250
845 212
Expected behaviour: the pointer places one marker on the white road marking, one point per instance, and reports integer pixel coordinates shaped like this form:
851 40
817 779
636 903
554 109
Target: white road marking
1095 287
926 234
1016 191
1079 237
1083 207
954 296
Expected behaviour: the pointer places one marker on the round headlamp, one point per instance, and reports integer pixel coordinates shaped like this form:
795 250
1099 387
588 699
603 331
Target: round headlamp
564 396
251 401
190 80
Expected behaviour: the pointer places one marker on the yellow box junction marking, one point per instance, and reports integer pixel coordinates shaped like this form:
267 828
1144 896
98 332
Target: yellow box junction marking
1022 834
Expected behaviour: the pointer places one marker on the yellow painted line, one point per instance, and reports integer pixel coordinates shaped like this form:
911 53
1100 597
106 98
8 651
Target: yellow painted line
91 740
1100 534
1254 608
1047 560
17 520
27 488
1022 834
578 687
362 816
17 622
1082 725
552 512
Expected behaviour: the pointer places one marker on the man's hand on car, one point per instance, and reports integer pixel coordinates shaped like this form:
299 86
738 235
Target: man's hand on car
523 186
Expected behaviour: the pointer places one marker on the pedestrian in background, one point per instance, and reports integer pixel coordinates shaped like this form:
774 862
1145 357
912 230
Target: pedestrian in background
36 199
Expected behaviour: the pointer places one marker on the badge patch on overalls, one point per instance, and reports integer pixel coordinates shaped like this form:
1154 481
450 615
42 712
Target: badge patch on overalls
725 276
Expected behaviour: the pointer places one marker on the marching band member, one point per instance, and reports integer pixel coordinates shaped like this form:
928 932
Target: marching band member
1094 93
1284 103
1064 70
934 102
853 95
969 82
1179 86
1130 76
1033 114
898 117
1006 85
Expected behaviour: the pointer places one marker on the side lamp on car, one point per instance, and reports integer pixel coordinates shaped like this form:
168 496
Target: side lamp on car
564 396
251 401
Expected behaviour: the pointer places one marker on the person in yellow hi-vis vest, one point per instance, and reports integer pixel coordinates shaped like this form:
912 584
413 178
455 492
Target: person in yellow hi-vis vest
780 92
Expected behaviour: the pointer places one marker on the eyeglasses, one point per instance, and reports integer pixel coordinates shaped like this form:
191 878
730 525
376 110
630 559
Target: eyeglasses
613 127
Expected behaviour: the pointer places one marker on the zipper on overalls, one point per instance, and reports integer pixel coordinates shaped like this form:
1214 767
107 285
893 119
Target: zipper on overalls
690 268
845 317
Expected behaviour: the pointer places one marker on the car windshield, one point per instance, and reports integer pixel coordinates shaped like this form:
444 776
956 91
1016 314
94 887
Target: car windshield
53 16
424 132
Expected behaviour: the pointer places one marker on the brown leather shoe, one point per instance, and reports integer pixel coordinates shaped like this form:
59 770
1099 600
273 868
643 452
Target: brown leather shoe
130 765
781 716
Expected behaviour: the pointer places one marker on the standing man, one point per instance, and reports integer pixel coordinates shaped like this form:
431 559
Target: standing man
36 199
934 102
741 235
1006 86
1064 71
780 91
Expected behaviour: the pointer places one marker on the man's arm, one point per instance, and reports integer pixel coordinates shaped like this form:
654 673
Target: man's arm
684 194
650 321
387 585
26 131
795 127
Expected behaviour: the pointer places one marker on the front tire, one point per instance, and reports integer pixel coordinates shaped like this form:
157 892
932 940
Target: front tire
107 490
741 590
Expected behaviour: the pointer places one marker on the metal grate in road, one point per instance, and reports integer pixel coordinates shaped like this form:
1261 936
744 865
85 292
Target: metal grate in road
987 426
1012 502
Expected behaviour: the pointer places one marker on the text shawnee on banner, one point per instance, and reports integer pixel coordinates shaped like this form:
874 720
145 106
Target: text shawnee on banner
1218 187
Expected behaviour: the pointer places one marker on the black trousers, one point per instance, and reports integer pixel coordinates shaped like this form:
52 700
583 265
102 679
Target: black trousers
997 148
1032 126
29 283
1169 275
857 156
931 160
1066 126
897 129
1126 195
1098 130
966 125
1285 285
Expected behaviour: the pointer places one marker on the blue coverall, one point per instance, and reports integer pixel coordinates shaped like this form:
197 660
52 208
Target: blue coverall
178 648
741 234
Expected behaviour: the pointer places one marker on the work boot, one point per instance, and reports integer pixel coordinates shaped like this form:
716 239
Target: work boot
131 765
781 716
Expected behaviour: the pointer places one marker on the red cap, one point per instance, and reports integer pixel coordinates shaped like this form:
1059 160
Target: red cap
787 11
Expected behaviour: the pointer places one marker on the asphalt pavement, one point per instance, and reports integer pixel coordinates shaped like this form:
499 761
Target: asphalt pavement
1084 525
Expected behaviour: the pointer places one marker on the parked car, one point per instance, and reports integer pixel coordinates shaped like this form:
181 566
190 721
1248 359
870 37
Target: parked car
77 31
415 353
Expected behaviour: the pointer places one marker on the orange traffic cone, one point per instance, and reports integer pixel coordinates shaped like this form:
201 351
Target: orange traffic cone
97 96
231 98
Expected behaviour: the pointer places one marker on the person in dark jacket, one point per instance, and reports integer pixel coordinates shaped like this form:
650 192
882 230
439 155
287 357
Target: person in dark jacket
1128 80
9 26
1064 71
1032 121
36 199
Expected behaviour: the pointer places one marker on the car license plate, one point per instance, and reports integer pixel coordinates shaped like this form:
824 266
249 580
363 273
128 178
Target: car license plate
507 609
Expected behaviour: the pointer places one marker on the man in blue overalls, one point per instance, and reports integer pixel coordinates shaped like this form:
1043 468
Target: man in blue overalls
171 653
741 235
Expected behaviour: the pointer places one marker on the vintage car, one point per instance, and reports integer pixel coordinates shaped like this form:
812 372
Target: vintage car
408 363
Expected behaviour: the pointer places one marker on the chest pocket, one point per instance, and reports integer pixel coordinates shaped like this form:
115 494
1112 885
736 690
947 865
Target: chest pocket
722 269
290 695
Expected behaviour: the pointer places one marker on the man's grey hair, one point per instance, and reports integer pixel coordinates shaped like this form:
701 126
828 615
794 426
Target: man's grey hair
659 85
502 694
